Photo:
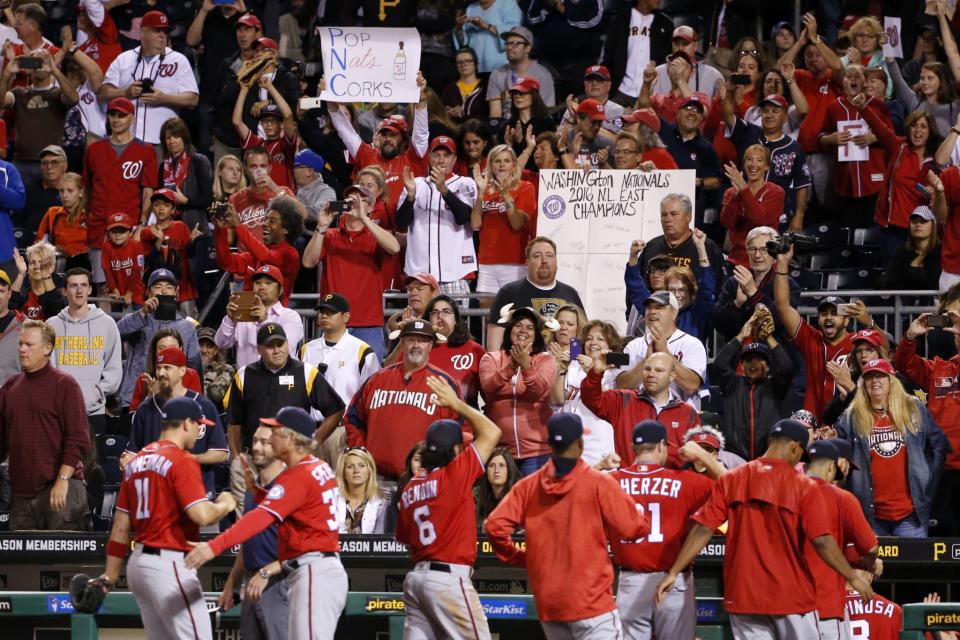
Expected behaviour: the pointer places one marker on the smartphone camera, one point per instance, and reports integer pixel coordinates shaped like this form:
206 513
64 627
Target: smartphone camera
30 62
341 206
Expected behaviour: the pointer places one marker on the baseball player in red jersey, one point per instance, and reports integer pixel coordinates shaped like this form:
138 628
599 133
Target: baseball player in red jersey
569 511
768 588
303 500
437 523
163 499
877 619
668 497
849 528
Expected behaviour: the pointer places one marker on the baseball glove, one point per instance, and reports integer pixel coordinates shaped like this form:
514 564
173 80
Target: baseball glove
87 594
763 324
251 70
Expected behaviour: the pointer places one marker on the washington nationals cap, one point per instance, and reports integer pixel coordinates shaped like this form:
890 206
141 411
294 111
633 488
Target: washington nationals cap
396 123
663 299
268 271
881 366
871 336
592 108
830 301
164 194
793 429
155 20
250 20
845 449
824 449
564 428
117 221
270 332
807 418
644 116
755 349
443 142
121 104
270 111
596 71
165 275
695 101
425 278
704 437
310 159
172 355
334 302
775 100
526 84
184 408
444 435
267 43
649 432
293 418
418 327
206 333
783 24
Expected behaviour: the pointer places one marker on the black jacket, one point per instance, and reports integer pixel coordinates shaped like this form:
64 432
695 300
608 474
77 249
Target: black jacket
615 49
749 410
286 83
728 318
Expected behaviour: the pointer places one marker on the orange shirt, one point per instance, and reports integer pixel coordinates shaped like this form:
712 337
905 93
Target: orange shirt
70 238
499 243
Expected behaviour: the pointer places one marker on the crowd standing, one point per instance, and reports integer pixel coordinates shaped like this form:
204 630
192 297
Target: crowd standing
158 158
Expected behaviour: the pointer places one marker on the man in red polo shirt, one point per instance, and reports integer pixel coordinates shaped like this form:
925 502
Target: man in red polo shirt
770 510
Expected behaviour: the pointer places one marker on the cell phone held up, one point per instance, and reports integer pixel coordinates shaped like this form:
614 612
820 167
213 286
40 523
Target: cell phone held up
618 359
341 206
245 301
740 79
939 321
166 308
29 62
576 348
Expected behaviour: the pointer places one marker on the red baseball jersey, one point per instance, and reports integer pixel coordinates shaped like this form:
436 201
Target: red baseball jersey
179 240
499 242
463 363
252 207
817 352
281 151
159 485
105 45
116 183
878 619
437 518
668 497
123 267
392 169
389 414
304 499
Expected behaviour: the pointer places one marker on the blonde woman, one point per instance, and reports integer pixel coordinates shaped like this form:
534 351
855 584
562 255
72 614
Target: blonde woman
43 298
229 178
361 507
506 218
865 47
898 449
65 226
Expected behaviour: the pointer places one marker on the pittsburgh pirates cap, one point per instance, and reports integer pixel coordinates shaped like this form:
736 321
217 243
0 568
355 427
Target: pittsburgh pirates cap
270 332
793 429
334 302
293 418
444 435
206 333
184 408
564 428
649 432
172 355
162 274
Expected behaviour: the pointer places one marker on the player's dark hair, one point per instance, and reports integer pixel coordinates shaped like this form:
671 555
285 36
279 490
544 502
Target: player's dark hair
152 349
290 216
539 344
487 501
170 424
79 271
460 334
436 459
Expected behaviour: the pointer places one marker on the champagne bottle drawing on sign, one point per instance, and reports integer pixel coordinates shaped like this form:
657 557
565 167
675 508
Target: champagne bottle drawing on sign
400 64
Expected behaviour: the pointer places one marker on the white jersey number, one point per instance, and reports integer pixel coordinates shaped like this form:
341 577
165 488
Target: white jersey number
142 485
426 531
656 535
859 630
330 498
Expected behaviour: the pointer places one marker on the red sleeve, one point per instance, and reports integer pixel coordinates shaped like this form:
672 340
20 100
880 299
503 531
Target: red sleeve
260 252
701 487
252 140
191 380
187 482
534 382
139 393
606 405
506 518
366 155
766 213
713 513
525 199
150 175
813 514
286 495
620 512
107 31
466 468
856 529
252 523
805 336
829 121
731 208
355 417
951 187
661 158
179 235
495 379
43 227
107 270
885 134
906 360
235 263
3 134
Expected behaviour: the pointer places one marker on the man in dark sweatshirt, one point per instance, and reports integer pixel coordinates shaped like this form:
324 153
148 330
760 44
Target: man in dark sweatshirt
43 429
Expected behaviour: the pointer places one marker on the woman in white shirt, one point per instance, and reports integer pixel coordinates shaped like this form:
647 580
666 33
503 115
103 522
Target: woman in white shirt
361 507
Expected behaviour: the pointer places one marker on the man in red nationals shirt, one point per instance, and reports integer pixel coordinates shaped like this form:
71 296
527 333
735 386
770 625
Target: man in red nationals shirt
392 410
252 202
162 498
303 500
570 574
122 262
668 497
878 619
770 509
437 522
849 528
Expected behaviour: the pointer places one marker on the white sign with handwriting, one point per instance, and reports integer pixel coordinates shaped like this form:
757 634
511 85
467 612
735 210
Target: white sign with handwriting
370 65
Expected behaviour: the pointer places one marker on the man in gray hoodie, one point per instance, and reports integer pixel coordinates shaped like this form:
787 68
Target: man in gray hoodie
88 347
10 323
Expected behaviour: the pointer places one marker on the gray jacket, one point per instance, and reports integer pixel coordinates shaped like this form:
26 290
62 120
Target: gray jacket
90 350
9 339
137 330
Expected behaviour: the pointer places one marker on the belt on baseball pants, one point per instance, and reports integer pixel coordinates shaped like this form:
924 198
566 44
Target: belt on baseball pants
293 565
157 551
461 570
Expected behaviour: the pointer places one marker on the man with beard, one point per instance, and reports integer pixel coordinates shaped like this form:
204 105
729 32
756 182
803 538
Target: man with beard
831 343
264 608
392 410
398 148
211 445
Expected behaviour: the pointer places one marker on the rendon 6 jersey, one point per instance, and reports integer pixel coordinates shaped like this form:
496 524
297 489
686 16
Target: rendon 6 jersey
438 519
668 497
159 485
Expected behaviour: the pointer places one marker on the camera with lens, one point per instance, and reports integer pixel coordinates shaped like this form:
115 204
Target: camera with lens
801 241
146 85
218 210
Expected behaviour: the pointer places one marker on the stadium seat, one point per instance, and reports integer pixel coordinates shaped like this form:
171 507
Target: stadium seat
848 258
713 402
807 279
221 477
829 234
109 449
868 237
850 279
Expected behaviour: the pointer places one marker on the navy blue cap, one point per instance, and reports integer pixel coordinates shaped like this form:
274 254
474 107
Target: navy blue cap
649 432
270 111
444 435
783 24
308 158
293 418
824 449
755 349
184 408
793 429
162 274
564 428
845 449
832 301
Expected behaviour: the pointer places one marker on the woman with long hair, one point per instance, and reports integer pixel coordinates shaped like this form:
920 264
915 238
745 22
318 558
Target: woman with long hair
473 145
916 263
466 98
501 474
504 214
460 355
529 115
934 92
146 384
361 507
751 201
515 382
229 178
441 123
898 449
570 320
65 226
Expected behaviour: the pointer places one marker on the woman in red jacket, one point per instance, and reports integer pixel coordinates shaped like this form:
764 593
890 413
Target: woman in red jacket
905 180
750 202
515 383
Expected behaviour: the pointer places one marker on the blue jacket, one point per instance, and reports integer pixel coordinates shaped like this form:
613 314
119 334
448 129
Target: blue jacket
137 331
695 319
926 451
12 198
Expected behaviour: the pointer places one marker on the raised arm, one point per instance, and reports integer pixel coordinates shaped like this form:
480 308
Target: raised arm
781 294
949 42
486 433
237 118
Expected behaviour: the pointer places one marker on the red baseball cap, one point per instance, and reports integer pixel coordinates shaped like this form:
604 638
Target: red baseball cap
694 100
123 105
685 32
155 20
268 271
644 116
425 278
707 438
682 55
267 43
592 108
166 194
172 355
775 100
395 123
597 70
445 142
117 221
250 20
526 85
871 336
883 366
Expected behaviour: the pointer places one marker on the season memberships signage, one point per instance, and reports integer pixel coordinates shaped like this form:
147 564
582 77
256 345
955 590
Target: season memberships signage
594 216
370 65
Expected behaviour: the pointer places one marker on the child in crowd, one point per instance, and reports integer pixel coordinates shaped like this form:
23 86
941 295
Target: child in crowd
280 136
170 240
122 262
